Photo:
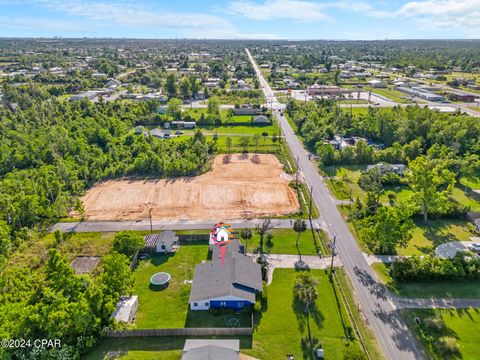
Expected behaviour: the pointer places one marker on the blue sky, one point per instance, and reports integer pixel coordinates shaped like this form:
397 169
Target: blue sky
244 19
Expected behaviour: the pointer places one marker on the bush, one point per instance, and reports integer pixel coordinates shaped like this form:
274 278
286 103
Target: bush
447 346
431 268
434 323
127 243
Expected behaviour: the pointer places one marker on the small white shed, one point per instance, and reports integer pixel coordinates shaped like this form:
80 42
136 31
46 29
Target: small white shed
126 309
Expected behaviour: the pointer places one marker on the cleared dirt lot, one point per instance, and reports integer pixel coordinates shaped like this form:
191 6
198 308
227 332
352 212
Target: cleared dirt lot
237 186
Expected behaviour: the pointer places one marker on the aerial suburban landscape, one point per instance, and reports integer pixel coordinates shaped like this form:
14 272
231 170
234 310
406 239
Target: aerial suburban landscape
186 185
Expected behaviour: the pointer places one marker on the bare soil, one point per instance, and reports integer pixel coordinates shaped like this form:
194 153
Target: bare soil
237 186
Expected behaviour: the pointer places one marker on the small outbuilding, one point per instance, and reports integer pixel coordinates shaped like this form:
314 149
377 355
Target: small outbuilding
164 242
126 309
261 119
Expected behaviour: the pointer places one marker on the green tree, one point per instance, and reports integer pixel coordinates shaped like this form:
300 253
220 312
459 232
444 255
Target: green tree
213 109
371 182
246 234
174 109
299 226
245 142
305 289
431 183
117 278
229 141
185 87
171 86
127 242
256 139
388 228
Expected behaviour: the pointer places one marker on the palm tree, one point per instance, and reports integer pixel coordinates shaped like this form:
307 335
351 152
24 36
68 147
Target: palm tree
229 144
256 139
306 289
299 226
246 234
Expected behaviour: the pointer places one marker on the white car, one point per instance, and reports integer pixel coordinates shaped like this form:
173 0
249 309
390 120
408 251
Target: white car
474 247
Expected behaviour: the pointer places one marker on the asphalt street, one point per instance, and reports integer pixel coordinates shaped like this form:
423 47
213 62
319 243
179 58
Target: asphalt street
396 340
114 226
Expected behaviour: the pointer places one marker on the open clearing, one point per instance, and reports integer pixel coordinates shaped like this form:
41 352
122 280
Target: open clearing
237 186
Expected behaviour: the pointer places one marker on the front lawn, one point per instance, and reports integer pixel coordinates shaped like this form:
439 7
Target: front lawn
281 326
447 333
431 289
283 242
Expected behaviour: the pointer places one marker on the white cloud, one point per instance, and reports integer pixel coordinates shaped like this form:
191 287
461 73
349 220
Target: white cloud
29 23
444 13
278 9
99 15
300 10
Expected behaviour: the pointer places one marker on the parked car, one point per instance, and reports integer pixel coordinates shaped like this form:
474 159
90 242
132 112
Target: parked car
474 247
178 132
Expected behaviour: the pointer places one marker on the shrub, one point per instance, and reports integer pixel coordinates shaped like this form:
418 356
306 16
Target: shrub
447 346
127 243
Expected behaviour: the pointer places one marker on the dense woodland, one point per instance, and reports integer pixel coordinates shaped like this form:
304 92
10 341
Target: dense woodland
51 151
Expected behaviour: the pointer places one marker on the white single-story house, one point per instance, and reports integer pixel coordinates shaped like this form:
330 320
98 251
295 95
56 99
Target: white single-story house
126 309
261 119
376 84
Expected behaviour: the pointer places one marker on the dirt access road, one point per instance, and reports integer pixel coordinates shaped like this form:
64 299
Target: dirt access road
238 186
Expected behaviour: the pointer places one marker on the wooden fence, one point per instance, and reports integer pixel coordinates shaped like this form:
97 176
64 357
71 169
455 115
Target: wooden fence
179 332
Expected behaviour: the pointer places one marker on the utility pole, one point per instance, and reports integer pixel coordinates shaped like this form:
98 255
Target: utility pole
296 175
333 253
310 205
151 226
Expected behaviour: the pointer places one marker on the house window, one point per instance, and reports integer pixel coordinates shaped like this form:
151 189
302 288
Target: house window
195 304
223 303
206 304
163 247
240 304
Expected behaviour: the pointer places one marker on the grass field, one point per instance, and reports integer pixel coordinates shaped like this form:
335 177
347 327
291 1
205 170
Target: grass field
426 238
168 308
431 289
392 94
461 325
283 242
282 325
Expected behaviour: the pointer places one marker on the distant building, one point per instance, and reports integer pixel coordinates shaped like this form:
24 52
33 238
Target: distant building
261 119
327 90
377 84
247 111
184 124
90 95
399 169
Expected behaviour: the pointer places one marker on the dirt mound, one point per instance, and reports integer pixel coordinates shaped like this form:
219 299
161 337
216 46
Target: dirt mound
237 186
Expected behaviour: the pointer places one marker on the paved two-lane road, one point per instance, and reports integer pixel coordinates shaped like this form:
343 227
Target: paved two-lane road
394 337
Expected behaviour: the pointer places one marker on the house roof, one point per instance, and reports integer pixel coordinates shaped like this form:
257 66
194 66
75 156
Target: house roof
239 276
165 237
232 344
210 352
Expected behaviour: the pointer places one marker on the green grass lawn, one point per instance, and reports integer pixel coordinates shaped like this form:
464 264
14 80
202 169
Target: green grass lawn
426 238
168 308
431 289
462 325
283 242
459 196
282 325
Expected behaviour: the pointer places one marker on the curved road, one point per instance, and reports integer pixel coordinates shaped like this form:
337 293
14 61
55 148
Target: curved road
396 340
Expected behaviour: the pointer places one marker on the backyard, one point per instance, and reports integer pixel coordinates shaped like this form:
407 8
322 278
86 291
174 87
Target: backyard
168 308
